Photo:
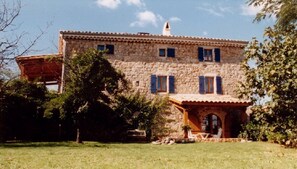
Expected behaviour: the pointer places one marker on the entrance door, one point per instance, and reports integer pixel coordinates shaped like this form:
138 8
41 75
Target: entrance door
210 124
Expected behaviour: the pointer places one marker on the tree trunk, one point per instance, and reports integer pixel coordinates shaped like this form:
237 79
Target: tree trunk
78 137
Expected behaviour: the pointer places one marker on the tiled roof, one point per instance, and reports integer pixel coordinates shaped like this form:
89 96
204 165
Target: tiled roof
31 57
144 37
187 99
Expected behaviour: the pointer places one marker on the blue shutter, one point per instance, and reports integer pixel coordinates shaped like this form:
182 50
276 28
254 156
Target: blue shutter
171 84
200 54
170 52
201 85
219 85
217 55
110 49
153 84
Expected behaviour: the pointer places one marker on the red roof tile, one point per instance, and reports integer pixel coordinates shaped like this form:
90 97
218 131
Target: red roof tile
186 99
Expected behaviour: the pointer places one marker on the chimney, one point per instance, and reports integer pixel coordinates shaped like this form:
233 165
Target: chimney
166 29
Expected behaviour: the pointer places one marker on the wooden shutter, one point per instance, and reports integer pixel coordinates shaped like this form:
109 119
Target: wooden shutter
201 85
219 85
217 55
110 49
200 54
153 84
171 84
170 52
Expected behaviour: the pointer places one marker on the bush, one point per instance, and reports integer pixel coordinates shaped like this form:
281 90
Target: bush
254 131
143 113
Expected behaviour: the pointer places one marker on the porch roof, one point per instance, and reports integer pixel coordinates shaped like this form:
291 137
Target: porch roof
44 68
207 99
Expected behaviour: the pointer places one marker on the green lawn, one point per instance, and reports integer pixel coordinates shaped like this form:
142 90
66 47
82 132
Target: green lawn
100 155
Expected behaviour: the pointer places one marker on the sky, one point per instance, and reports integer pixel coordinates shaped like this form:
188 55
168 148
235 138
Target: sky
227 19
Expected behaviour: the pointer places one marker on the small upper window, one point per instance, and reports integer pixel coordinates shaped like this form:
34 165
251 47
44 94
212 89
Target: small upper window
162 52
109 48
101 47
169 52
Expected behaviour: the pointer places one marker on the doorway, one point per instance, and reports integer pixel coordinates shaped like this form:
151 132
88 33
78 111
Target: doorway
211 123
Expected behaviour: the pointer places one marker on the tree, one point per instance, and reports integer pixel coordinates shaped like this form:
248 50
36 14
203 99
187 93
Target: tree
21 108
90 80
271 82
11 44
285 11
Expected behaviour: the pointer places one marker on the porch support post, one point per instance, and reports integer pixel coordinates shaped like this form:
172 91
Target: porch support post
186 117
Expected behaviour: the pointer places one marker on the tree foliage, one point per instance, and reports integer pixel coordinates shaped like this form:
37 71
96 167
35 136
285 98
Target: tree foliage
285 11
21 108
90 80
12 43
271 81
143 113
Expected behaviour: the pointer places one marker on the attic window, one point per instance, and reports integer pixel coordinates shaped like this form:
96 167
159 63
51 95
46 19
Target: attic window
169 52
109 48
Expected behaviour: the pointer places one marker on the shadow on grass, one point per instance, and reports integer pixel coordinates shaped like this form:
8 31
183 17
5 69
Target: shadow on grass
52 144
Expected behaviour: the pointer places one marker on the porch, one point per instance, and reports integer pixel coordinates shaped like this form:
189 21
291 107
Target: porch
205 114
45 69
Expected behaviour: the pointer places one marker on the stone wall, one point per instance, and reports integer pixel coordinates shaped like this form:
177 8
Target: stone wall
186 75
140 60
148 52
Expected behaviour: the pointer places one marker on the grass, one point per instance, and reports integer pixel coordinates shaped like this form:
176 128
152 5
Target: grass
126 156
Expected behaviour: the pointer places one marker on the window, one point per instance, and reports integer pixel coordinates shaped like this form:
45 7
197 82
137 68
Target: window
162 52
109 48
101 47
208 84
209 54
162 84
169 52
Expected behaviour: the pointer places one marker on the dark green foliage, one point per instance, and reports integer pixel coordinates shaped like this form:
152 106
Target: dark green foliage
91 81
21 110
142 113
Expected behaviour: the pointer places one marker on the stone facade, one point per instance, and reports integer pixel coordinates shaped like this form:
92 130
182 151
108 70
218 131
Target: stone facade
137 56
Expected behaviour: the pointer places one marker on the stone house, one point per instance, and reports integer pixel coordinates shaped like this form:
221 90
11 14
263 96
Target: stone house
200 75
